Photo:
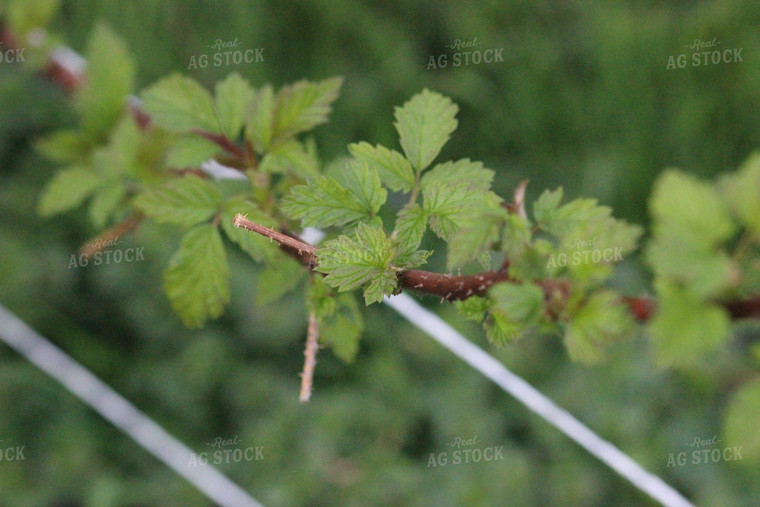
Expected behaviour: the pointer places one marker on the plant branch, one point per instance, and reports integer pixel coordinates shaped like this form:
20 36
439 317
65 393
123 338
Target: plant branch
310 358
223 142
453 288
110 236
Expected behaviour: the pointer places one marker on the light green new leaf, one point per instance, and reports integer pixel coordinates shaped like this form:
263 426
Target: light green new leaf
261 119
424 124
685 328
462 172
304 105
474 239
521 303
601 321
742 191
179 104
234 96
365 258
110 79
364 183
568 217
741 422
105 202
547 204
473 308
449 206
340 321
64 146
26 15
184 201
410 227
290 157
325 202
68 188
190 151
706 272
685 206
197 280
500 330
256 245
394 170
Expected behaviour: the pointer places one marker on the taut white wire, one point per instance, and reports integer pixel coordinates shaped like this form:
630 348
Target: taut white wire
122 414
529 396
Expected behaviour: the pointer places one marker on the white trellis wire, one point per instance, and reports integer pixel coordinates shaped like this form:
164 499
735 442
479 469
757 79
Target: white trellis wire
536 401
121 413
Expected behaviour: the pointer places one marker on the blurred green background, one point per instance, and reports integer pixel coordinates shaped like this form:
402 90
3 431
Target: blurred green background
583 99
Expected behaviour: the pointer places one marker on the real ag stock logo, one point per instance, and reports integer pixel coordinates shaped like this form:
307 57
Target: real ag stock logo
465 54
704 453
219 455
226 54
11 55
464 451
96 254
705 53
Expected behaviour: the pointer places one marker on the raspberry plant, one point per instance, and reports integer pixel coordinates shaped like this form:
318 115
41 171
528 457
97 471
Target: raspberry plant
216 164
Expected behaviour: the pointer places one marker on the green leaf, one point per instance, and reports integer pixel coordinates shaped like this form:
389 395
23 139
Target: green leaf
703 270
110 79
515 236
475 239
424 124
342 329
473 308
364 183
568 217
500 330
234 96
684 206
190 151
741 191
183 201
462 172
364 259
530 264
67 190
325 202
684 327
26 15
261 119
602 320
304 105
412 259
520 303
394 170
740 421
281 275
546 204
290 157
449 206
255 245
179 104
64 146
410 227
105 202
197 280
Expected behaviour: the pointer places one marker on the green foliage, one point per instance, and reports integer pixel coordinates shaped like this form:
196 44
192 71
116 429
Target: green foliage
424 124
197 279
698 261
187 201
741 421
110 79
364 259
